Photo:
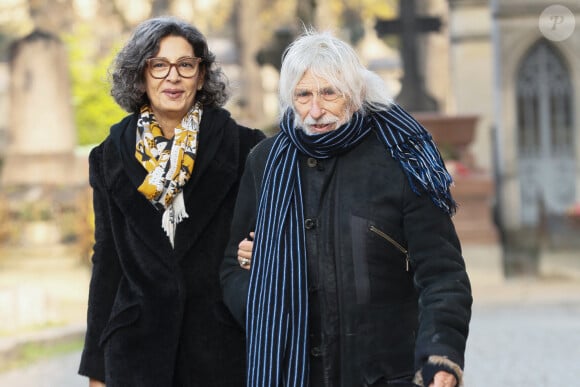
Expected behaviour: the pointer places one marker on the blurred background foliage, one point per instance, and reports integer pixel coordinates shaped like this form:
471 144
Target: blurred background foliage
93 30
94 108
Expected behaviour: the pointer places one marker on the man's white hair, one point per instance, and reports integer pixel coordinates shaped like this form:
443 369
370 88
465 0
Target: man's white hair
335 61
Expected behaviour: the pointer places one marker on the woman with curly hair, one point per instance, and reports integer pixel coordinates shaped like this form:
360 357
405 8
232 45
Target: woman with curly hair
164 185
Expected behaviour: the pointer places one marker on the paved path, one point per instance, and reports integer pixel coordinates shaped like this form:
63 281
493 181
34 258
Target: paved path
524 345
56 372
524 333
527 343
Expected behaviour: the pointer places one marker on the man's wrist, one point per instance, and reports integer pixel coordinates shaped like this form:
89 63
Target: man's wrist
434 364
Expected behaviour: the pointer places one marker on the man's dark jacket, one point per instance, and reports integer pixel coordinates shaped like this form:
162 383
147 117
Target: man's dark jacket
154 316
376 313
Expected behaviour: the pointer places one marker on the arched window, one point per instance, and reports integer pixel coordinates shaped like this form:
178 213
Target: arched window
545 133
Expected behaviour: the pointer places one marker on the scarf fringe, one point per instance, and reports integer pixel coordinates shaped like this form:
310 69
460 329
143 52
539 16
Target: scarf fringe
424 168
413 147
173 215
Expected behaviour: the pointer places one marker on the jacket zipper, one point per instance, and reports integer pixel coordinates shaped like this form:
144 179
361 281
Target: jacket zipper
394 243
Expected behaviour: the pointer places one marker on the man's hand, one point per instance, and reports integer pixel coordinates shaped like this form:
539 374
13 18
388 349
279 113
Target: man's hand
245 252
96 383
444 379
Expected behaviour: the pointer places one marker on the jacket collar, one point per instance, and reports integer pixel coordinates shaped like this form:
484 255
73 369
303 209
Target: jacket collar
216 165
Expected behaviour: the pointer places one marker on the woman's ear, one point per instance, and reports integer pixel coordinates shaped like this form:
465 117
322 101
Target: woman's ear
201 79
141 87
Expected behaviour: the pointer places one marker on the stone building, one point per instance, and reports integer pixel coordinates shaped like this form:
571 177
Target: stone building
516 64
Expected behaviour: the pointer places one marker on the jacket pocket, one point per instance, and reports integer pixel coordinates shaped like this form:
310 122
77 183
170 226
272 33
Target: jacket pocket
393 242
379 263
122 318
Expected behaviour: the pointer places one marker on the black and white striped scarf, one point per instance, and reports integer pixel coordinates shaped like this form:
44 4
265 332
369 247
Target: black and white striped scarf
277 318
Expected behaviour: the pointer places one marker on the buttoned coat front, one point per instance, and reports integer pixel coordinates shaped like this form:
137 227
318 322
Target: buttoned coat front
155 316
387 287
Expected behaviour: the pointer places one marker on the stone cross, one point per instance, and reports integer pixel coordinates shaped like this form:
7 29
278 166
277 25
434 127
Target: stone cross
272 52
413 96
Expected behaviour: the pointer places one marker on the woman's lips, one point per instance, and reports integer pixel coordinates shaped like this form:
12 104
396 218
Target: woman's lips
173 93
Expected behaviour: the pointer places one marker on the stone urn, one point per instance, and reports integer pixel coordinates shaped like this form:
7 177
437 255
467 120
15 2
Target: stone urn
452 134
473 188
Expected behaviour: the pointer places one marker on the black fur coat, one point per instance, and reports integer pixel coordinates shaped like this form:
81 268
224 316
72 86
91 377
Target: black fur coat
155 316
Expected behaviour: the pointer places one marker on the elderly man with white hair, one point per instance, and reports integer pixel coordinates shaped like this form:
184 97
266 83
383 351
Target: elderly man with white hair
354 275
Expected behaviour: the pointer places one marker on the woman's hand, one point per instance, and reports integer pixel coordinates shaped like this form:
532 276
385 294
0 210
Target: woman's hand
245 252
96 383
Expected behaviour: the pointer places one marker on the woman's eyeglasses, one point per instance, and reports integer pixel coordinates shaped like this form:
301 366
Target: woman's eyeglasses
186 67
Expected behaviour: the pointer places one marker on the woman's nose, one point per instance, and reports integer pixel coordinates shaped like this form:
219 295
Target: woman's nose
173 73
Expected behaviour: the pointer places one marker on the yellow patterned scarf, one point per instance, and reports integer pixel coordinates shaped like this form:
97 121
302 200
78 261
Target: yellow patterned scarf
168 162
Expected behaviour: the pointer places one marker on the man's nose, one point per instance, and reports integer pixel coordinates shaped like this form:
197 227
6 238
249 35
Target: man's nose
315 109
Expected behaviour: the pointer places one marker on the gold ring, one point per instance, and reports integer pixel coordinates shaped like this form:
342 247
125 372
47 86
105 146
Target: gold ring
244 261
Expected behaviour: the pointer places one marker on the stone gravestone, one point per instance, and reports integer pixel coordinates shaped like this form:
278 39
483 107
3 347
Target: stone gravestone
41 185
41 175
474 188
41 132
453 134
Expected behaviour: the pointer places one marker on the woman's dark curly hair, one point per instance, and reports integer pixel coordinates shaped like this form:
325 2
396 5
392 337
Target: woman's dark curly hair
128 69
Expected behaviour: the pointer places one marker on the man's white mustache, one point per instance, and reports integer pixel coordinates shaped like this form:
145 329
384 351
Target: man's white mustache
323 121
